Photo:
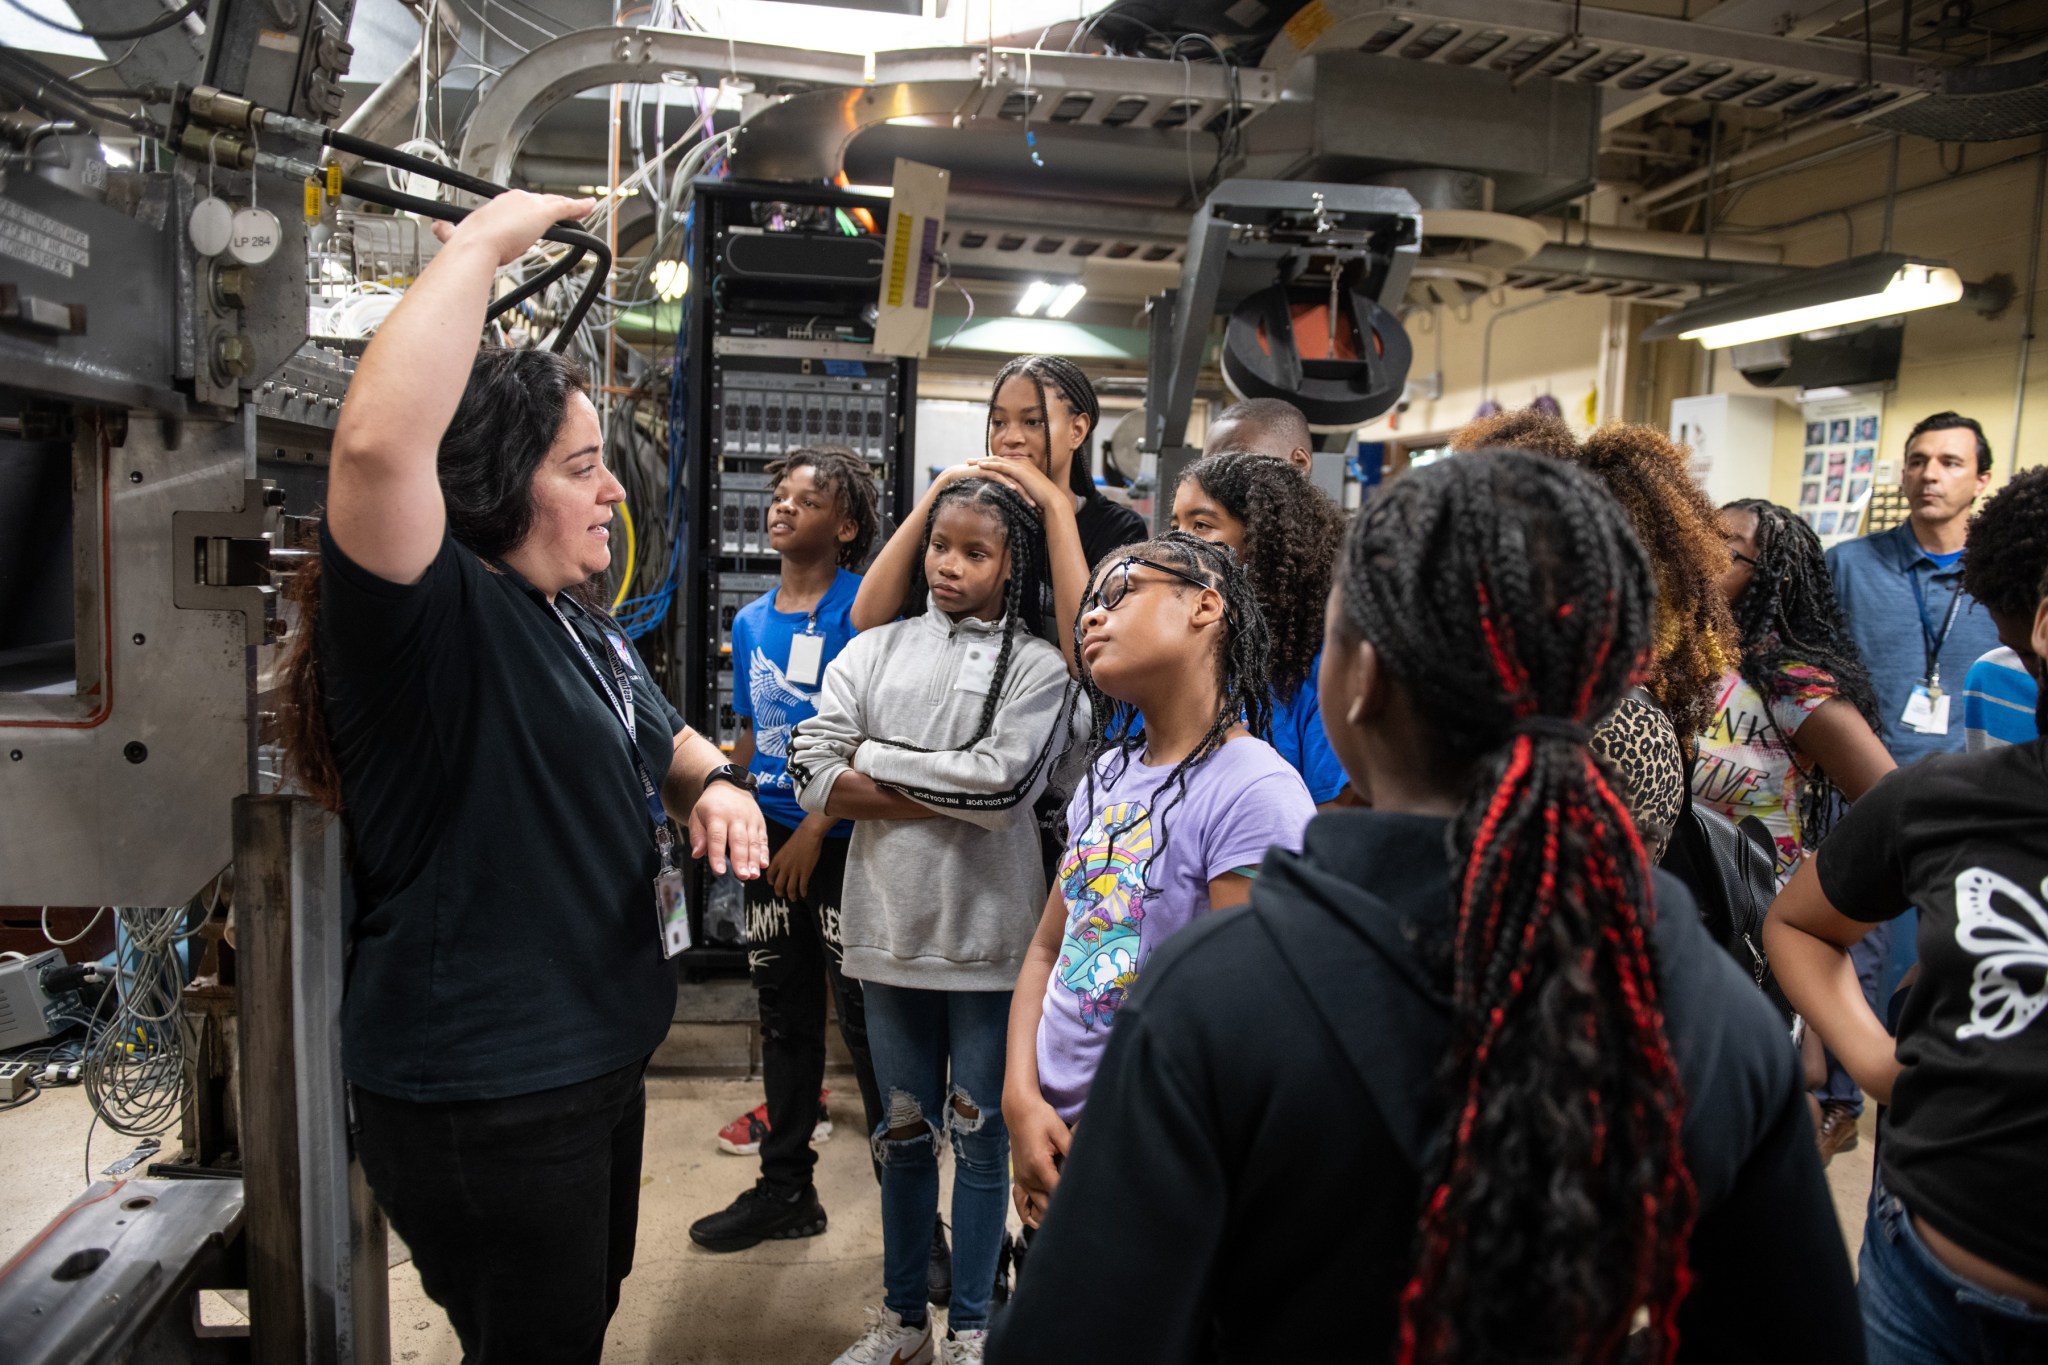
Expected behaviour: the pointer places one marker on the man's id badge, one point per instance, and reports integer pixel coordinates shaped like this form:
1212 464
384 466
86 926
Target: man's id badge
806 659
977 668
1926 711
672 911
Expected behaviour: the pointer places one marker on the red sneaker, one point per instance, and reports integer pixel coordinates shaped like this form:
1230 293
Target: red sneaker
742 1137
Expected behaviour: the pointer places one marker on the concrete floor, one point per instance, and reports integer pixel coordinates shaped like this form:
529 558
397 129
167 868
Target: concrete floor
797 1302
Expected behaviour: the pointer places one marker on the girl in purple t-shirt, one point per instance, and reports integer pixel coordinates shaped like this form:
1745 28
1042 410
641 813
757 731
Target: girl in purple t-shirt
1179 806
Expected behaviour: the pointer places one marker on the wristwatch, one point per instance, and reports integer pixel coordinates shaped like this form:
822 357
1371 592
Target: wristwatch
739 777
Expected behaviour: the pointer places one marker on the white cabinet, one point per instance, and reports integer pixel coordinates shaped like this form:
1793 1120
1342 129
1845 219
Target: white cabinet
1730 435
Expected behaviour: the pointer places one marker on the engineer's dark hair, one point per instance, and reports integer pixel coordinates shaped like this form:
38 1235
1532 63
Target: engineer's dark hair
1507 595
1275 417
1024 535
1057 374
1953 421
1792 627
507 419
1242 669
847 478
2005 560
1292 533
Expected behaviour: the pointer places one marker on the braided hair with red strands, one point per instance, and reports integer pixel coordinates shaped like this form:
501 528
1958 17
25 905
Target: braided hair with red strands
1508 596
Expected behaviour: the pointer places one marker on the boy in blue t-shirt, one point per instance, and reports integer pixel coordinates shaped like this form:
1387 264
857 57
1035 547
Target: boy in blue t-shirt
822 521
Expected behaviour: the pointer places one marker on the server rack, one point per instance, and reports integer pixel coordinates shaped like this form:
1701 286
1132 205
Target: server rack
779 355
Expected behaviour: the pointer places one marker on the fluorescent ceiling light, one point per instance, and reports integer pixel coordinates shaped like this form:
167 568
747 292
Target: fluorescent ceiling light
1036 296
1064 302
1882 285
671 280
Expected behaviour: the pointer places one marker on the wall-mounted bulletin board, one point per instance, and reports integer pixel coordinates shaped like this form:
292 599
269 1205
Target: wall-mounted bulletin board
1838 466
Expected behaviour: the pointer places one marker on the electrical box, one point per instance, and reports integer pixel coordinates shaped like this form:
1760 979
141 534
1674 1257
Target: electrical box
24 1007
1730 435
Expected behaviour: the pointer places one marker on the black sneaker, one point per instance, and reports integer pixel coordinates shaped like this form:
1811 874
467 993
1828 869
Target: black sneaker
760 1215
938 1272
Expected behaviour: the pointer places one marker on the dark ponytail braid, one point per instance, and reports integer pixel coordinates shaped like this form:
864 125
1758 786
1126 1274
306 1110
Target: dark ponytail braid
1789 620
1065 378
1024 535
1509 597
1241 666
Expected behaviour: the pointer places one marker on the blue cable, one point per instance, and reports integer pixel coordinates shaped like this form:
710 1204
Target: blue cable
640 616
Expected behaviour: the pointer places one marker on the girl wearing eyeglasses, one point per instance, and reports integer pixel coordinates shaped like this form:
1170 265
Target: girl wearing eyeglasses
1178 809
1794 733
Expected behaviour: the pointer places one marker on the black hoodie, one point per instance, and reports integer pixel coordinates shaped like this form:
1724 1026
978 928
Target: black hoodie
1244 1184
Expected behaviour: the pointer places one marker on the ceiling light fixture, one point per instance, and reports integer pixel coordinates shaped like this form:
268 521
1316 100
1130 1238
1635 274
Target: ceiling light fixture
1881 285
1064 302
1036 295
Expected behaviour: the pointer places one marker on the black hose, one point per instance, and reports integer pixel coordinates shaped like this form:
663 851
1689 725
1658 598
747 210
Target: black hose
51 90
582 242
406 161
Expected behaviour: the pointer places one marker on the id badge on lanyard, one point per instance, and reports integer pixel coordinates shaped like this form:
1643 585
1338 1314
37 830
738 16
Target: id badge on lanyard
671 895
1927 708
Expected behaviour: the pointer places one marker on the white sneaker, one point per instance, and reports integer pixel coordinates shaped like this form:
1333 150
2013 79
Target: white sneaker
962 1348
888 1342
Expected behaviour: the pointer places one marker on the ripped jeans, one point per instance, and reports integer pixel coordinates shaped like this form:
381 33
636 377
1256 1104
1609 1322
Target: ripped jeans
939 1065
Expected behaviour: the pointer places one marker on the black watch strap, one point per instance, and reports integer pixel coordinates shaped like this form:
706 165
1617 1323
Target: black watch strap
739 777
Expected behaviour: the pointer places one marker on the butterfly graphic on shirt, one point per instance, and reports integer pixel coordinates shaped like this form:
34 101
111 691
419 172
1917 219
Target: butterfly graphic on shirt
778 704
2005 926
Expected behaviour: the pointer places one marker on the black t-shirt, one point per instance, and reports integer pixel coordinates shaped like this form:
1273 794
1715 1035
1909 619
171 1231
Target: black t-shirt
1106 526
504 938
1965 838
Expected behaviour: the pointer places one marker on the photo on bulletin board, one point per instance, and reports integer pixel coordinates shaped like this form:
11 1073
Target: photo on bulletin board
1809 493
1859 489
1816 433
1866 428
1864 460
1834 493
1838 430
1815 462
1827 522
1810 517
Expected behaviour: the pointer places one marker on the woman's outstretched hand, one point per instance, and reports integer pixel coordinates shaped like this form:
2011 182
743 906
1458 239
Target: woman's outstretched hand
513 222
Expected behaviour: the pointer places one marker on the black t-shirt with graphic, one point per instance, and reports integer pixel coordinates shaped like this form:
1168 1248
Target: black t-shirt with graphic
1965 838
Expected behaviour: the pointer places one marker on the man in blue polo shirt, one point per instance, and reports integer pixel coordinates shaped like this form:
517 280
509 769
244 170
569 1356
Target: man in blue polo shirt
1919 631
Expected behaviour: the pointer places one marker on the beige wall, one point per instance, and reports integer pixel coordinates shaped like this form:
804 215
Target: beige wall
1978 221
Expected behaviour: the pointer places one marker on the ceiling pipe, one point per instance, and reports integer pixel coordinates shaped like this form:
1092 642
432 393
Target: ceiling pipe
1650 242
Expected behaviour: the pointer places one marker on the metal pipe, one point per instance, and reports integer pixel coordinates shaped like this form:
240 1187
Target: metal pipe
1651 242
2019 390
1803 163
1790 138
395 101
1604 263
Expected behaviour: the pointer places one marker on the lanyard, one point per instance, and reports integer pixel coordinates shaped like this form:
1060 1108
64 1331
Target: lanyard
620 704
1929 635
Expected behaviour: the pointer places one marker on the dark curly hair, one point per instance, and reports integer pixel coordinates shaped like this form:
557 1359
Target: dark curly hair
1292 532
846 476
1507 595
2006 555
508 416
1789 621
1649 474
1241 669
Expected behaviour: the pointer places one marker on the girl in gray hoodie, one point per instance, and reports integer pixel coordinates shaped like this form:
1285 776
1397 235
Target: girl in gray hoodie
936 734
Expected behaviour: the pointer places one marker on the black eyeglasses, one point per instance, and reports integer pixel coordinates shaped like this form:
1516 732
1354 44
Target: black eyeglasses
1741 558
1116 584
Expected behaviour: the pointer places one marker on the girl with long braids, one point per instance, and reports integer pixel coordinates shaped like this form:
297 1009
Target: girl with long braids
1795 732
1286 533
1169 825
1042 413
935 734
1466 1081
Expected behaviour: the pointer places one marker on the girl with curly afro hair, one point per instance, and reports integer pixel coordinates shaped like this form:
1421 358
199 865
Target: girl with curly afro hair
1286 533
1693 641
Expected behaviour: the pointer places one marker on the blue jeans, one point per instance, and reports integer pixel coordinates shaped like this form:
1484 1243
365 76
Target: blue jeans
1916 1311
917 1039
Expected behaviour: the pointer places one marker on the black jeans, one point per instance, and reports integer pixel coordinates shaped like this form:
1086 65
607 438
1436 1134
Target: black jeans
520 1212
793 951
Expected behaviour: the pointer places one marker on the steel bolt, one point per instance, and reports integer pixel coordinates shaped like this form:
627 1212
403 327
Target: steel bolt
139 638
233 355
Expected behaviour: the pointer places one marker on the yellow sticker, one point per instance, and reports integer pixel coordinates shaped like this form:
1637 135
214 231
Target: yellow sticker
334 180
1309 23
312 200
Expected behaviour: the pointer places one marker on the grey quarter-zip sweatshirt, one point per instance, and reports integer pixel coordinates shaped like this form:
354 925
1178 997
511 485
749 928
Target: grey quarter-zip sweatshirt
946 904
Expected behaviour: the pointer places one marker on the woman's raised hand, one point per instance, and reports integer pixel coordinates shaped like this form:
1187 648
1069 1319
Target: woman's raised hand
513 222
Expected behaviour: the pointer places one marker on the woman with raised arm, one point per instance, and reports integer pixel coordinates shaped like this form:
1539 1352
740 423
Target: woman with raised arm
505 768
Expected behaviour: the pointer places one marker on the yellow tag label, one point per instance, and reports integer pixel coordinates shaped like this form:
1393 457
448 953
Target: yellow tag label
312 200
334 180
1309 23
